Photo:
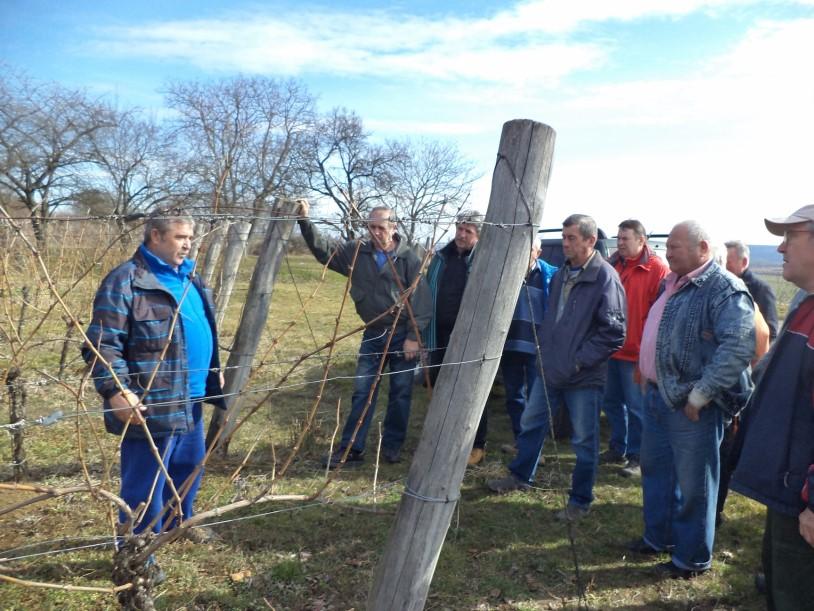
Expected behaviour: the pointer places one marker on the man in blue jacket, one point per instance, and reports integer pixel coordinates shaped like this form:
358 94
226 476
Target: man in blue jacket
153 323
776 465
520 363
698 339
584 325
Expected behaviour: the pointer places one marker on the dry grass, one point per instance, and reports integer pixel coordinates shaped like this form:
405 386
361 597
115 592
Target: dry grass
501 552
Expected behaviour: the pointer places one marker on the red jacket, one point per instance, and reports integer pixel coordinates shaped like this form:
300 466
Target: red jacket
641 281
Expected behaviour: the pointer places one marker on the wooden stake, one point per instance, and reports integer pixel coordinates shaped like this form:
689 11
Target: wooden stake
519 183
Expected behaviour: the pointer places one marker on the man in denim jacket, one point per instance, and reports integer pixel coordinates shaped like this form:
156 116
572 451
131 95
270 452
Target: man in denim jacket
698 338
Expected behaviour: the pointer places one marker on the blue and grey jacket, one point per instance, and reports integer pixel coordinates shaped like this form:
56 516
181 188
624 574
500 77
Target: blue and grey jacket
592 326
130 326
778 428
527 321
706 337
435 271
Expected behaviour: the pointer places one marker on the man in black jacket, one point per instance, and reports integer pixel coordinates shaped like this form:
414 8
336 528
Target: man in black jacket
382 268
776 465
584 325
737 262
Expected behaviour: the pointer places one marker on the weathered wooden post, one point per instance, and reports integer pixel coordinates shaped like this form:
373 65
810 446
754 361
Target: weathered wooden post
519 182
253 320
235 248
213 250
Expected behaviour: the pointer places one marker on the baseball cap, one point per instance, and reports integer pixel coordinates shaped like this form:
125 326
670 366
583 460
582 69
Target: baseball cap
779 225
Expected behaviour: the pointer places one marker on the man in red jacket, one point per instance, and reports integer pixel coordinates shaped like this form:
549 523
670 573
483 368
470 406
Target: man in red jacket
641 272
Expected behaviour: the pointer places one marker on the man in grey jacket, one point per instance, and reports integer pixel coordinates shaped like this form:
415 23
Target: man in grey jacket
584 325
382 268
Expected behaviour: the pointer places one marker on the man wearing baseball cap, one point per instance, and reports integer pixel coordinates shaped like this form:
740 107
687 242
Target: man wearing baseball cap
776 466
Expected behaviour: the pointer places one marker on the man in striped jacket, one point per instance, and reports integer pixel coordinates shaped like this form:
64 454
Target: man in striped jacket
154 361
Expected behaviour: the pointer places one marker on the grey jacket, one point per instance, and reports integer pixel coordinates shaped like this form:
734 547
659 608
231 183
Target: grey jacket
576 348
374 291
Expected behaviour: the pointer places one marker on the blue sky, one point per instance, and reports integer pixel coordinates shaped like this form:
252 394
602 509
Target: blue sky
664 109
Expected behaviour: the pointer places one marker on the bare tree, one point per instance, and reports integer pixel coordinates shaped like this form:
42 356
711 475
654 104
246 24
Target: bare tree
138 167
46 137
344 166
241 134
430 177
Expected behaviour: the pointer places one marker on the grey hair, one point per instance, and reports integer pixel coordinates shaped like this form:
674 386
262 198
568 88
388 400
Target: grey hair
470 217
741 249
162 221
391 216
585 224
696 233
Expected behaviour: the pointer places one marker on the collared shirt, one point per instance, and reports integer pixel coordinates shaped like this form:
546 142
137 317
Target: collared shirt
570 279
647 351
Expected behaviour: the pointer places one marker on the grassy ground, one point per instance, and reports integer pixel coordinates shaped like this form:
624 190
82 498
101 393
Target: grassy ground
501 552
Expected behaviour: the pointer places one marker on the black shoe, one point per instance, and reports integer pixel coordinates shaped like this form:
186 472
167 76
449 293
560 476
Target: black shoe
632 468
668 569
510 483
391 455
640 546
612 457
354 459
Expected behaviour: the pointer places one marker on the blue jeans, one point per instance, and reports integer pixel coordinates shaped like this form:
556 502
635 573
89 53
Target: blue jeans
623 407
680 472
401 390
139 468
583 409
523 384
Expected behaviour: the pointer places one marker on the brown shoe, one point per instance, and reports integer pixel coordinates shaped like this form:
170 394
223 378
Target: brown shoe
476 457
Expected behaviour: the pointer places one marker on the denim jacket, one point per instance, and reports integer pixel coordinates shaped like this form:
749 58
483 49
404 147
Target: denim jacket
706 337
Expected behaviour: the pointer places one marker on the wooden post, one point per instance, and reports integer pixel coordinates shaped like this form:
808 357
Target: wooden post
213 250
252 322
519 182
235 247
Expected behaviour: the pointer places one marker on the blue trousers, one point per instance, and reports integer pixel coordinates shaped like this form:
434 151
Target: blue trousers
139 470
583 409
623 407
401 390
523 383
680 473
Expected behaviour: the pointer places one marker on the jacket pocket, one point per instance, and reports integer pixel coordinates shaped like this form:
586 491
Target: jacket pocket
151 325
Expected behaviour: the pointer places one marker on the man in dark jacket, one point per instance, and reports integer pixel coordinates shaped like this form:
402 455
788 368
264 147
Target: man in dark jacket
584 325
776 465
153 326
382 269
737 262
446 277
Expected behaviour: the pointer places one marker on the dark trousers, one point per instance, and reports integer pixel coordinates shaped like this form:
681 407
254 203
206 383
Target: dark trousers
442 334
788 561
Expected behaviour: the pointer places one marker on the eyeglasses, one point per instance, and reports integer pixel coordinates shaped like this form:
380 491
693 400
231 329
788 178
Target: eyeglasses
788 232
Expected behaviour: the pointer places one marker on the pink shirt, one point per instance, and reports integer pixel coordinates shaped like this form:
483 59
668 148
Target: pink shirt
647 351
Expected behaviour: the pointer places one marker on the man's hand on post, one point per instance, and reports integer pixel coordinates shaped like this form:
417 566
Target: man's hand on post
807 526
410 349
303 208
127 407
